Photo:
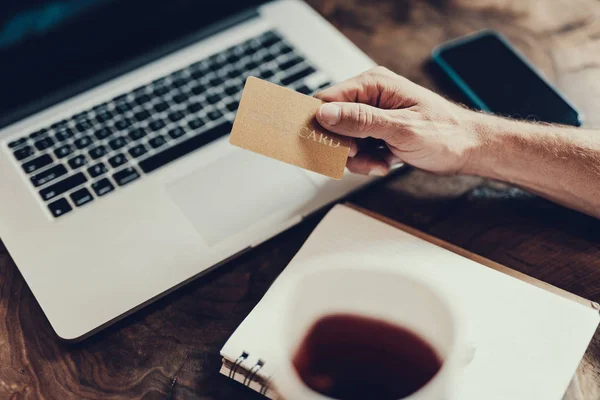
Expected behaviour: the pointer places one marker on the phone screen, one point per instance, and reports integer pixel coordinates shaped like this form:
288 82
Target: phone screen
498 80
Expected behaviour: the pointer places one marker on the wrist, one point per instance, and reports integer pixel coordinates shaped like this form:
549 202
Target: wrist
477 126
499 145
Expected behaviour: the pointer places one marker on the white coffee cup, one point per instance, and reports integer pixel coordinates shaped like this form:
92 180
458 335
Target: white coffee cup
368 288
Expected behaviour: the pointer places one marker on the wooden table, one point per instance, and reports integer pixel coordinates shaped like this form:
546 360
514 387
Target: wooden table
171 348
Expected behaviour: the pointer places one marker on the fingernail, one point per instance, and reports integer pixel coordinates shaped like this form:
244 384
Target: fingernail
330 113
377 172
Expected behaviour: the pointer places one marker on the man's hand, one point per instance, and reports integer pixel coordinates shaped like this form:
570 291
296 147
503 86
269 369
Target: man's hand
425 130
418 126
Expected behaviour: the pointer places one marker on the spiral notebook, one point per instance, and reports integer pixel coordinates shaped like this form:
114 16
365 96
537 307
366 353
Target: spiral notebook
529 336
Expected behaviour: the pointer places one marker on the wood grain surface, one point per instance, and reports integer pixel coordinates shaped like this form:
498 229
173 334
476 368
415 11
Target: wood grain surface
170 350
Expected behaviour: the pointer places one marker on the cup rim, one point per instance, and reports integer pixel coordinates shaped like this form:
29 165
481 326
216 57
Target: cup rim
286 351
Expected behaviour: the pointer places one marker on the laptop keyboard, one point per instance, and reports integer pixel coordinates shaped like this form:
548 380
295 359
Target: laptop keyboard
93 153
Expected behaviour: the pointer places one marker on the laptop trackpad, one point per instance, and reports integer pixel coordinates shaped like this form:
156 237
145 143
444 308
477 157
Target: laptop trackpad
238 191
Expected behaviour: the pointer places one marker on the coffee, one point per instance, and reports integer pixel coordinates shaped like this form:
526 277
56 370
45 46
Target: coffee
353 357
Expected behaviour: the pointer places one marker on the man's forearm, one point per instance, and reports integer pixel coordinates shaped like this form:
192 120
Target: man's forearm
560 163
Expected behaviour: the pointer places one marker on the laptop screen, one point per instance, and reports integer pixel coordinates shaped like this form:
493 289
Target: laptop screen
49 45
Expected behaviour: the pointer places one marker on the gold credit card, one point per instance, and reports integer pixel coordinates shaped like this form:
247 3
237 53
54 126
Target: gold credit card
280 123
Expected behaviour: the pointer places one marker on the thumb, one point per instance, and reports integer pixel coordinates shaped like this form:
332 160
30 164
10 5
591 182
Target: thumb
354 119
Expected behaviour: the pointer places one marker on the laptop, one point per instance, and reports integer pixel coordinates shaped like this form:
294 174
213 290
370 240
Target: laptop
118 184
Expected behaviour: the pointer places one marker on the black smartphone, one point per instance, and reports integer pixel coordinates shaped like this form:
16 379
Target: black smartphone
495 78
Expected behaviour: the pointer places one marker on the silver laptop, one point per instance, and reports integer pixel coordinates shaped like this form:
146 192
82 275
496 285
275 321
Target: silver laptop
117 181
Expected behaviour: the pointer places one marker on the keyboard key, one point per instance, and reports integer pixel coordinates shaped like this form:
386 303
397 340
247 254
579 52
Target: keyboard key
139 91
157 142
254 44
303 89
83 142
80 116
233 73
288 80
196 123
160 91
179 83
232 105
48 175
156 125
102 107
197 74
137 134
142 115
250 65
39 133
290 63
122 108
17 143
160 107
181 149
98 152
213 63
268 57
232 58
103 116
198 89
121 98
266 74
125 176
176 132
102 187
83 125
285 49
214 114
122 124
62 186
195 107
59 124
81 197
324 85
117 160
178 74
176 116
64 134
59 207
215 81
37 163
63 151
117 143
97 170
138 150
78 161
44 143
247 49
142 99
180 98
269 38
213 98
231 90
103 133
159 82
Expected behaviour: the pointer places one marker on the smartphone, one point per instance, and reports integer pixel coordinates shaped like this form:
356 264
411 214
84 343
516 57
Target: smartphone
495 78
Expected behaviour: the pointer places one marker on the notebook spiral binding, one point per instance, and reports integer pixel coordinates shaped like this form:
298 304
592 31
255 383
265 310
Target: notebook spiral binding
250 374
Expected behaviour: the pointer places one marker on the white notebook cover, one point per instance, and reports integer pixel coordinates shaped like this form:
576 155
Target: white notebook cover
529 341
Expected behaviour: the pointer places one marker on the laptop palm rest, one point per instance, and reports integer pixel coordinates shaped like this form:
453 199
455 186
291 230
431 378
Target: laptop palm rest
238 191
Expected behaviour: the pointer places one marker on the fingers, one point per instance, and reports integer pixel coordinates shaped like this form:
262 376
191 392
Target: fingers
368 164
356 120
377 87
377 163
